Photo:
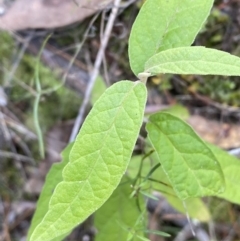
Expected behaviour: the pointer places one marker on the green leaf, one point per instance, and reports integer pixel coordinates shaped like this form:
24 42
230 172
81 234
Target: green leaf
150 196
189 164
98 159
194 60
53 177
162 25
231 169
195 206
160 233
118 209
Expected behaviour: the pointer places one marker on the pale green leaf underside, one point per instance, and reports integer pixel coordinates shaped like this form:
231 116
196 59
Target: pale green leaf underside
53 177
231 169
162 25
194 60
98 159
189 164
119 210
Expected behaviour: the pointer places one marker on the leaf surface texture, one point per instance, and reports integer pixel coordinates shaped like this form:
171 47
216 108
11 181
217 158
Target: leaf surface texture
194 60
189 164
165 24
98 159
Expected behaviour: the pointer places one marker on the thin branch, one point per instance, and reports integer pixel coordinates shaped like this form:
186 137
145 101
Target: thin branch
37 101
95 71
73 59
79 47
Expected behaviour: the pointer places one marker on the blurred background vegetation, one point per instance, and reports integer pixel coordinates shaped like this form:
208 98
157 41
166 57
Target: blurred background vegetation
22 169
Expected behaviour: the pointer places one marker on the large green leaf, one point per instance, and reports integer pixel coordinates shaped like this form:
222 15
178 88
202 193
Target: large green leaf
162 25
231 169
118 212
53 177
189 164
194 60
98 159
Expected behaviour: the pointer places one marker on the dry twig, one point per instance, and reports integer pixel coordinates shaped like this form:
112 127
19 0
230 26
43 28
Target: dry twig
95 71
